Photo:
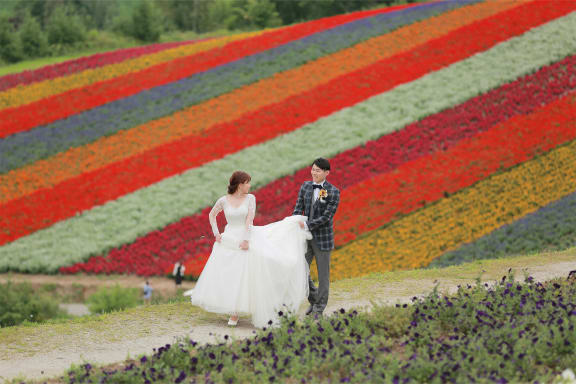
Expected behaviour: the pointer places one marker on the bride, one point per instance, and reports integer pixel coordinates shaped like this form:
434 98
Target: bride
252 270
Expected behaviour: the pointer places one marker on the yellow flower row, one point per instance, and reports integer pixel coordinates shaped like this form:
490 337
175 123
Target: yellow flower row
415 240
26 94
228 107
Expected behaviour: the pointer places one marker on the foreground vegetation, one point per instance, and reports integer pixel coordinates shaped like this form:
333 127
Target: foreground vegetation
510 332
384 289
19 303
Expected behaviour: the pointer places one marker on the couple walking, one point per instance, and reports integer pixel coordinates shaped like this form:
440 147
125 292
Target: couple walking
261 270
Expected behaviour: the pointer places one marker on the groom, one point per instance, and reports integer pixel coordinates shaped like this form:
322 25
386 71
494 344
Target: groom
318 200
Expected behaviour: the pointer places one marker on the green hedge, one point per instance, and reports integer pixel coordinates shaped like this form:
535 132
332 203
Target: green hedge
116 298
19 303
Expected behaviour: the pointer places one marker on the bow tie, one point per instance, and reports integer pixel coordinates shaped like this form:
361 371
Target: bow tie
314 186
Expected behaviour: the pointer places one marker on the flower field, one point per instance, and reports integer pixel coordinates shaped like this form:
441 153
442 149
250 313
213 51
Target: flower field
81 64
450 126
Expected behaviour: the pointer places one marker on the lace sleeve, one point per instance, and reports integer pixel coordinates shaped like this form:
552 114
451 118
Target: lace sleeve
250 216
216 209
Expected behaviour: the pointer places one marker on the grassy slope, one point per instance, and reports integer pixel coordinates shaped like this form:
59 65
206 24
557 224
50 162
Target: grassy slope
417 281
388 287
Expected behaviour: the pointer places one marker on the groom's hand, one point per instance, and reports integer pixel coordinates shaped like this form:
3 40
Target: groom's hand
244 245
301 224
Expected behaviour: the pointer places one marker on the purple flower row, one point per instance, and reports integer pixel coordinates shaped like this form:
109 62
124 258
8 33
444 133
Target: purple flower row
514 332
44 141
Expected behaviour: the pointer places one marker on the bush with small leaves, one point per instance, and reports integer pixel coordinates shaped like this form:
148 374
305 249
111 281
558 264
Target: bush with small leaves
116 298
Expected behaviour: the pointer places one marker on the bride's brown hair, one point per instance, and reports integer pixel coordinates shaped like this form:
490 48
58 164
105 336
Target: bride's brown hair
237 178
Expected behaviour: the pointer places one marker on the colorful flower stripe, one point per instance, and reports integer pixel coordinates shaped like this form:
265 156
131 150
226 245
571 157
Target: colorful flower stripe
128 175
164 161
417 239
41 174
190 237
37 111
103 85
15 97
80 129
552 228
83 63
94 88
369 205
119 222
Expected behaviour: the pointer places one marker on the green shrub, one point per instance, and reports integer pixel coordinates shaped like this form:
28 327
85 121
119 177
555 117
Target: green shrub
32 39
116 298
254 14
146 22
64 29
10 50
19 303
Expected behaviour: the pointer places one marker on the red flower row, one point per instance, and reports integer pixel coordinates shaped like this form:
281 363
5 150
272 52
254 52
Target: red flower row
183 239
371 204
87 62
30 213
25 117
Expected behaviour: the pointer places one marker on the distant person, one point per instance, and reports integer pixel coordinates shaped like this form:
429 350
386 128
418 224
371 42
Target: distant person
178 274
147 292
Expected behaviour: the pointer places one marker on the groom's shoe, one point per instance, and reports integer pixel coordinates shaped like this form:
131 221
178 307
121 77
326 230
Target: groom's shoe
310 310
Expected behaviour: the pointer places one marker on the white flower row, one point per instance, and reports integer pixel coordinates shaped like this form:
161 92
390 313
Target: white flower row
97 230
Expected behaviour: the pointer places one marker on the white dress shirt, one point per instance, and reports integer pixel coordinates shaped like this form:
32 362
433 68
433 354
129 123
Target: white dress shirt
317 191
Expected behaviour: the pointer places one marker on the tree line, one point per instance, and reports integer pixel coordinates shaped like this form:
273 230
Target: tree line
38 28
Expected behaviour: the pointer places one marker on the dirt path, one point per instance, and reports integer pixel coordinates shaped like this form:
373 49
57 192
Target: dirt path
46 351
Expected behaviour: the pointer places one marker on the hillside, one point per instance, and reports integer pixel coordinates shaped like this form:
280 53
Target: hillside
450 127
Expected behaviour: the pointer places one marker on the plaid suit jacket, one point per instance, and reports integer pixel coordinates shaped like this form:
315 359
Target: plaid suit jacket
322 224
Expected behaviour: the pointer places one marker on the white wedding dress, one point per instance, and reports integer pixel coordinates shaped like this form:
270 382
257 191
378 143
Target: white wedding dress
271 276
